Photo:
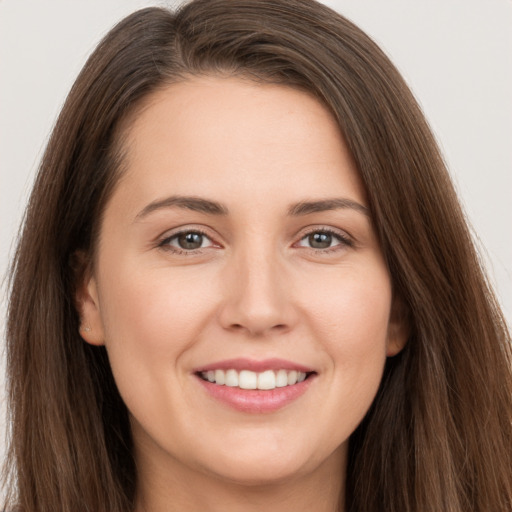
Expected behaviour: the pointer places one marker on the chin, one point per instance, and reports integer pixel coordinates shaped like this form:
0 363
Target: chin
258 473
258 465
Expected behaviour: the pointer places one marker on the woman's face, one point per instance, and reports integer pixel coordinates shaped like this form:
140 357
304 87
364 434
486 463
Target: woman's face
237 252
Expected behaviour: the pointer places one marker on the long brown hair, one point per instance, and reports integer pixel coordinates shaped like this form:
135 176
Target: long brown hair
438 436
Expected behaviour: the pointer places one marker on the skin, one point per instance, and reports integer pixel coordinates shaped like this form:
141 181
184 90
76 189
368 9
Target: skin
255 289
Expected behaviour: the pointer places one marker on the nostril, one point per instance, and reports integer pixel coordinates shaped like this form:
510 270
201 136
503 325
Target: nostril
256 330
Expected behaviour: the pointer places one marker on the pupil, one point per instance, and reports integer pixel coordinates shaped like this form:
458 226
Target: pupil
320 240
190 240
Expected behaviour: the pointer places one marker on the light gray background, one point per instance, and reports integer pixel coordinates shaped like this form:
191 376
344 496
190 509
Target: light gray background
455 54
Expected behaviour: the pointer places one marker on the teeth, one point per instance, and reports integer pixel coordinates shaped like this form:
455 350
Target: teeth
292 378
252 380
220 377
267 380
281 379
231 378
247 380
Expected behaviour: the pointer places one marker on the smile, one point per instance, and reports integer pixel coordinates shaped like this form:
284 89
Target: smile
247 379
255 387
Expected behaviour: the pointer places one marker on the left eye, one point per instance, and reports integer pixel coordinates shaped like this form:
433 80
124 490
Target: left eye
322 240
188 241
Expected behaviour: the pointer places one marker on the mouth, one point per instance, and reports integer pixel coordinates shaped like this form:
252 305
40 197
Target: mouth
247 379
255 386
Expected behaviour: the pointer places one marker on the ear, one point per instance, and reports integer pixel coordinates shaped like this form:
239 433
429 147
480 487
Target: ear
87 303
398 328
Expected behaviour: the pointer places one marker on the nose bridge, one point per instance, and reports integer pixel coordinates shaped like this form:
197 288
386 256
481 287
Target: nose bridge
257 299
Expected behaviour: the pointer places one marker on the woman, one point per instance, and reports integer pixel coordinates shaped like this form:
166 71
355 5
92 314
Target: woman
245 282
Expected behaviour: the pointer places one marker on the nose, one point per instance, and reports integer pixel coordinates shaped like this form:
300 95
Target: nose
257 296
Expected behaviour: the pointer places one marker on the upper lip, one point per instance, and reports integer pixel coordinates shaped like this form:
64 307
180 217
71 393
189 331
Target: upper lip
239 364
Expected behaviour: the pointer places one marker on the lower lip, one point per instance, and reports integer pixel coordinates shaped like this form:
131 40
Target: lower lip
256 401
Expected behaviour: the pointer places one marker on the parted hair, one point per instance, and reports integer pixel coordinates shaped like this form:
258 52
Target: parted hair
438 436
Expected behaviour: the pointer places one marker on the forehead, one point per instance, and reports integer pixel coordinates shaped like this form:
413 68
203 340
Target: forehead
216 134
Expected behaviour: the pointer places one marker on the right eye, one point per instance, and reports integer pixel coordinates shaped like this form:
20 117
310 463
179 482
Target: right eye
186 241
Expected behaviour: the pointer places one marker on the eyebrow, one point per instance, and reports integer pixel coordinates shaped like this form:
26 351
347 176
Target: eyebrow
308 207
196 204
207 206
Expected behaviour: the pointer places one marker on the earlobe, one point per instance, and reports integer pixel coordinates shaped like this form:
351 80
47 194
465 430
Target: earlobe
88 305
398 328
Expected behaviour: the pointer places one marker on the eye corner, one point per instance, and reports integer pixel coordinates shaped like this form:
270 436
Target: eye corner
326 239
190 240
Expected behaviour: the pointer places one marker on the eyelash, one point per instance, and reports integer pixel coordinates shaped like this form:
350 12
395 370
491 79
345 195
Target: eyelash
343 239
165 244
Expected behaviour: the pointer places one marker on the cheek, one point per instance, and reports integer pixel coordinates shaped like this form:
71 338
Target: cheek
152 314
152 317
350 317
351 306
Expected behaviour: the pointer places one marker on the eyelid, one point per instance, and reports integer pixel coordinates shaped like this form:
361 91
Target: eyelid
162 241
344 238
